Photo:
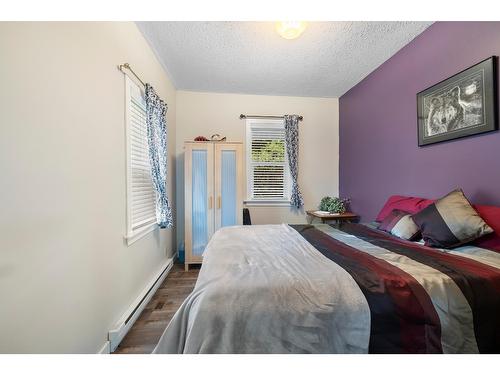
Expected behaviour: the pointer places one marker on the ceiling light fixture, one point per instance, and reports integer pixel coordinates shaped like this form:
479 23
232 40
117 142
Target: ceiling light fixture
290 29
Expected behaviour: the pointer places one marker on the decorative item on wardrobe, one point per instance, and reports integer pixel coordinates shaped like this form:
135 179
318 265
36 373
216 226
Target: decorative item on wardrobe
217 138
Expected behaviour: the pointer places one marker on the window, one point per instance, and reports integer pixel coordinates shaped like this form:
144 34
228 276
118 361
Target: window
141 196
268 176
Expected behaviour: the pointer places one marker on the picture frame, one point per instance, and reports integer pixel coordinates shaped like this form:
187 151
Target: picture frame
462 105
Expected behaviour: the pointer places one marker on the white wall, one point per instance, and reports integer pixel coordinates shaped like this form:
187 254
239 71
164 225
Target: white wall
66 274
200 113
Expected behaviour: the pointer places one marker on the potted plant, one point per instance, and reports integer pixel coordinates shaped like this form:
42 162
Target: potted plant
334 205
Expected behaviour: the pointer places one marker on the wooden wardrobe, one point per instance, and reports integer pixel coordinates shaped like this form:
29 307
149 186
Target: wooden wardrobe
213 192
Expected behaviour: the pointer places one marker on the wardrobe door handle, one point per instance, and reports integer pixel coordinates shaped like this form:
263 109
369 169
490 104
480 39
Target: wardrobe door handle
218 203
210 203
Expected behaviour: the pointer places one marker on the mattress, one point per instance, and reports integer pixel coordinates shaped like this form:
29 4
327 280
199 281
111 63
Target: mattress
347 289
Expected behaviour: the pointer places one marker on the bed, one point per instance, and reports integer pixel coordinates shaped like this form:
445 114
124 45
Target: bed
344 289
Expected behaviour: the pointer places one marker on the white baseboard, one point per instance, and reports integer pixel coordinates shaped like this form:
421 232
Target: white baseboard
106 348
124 324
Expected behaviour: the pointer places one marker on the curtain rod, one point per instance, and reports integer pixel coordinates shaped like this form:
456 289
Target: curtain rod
127 66
242 116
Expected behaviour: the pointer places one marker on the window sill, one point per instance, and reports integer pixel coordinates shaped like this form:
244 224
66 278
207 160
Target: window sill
257 203
139 233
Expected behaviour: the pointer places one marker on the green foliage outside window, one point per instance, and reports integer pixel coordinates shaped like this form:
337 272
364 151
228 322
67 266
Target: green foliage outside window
271 151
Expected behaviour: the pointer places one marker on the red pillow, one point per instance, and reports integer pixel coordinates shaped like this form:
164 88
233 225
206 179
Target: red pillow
490 214
411 205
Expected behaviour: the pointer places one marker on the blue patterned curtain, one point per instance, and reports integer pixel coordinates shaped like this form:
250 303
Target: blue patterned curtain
292 150
156 111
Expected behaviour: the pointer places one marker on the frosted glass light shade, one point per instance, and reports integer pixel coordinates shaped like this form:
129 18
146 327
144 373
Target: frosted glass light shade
290 29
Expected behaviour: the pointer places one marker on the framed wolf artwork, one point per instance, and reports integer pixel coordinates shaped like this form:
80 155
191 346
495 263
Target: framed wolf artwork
462 105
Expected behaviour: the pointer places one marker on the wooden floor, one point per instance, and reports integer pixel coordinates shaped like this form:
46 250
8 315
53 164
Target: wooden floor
146 331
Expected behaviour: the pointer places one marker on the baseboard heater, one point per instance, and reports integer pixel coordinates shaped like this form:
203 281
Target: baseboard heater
126 321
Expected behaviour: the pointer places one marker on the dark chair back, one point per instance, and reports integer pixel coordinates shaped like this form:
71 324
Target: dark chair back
246 217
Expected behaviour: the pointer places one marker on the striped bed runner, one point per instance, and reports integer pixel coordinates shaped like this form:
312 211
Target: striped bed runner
421 299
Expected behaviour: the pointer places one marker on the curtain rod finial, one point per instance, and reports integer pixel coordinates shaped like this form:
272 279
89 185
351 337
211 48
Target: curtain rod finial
122 66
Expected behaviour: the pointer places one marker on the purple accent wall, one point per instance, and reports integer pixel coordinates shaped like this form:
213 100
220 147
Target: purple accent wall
379 153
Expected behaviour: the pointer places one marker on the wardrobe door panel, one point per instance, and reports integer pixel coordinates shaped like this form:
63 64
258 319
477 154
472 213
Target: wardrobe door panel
199 212
228 191
199 199
228 184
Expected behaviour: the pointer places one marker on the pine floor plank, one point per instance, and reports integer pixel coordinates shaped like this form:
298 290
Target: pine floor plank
148 328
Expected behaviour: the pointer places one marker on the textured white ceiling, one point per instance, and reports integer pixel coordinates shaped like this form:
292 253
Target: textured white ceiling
251 58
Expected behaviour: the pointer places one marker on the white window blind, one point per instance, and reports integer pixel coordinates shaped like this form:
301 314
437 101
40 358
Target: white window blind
267 164
141 197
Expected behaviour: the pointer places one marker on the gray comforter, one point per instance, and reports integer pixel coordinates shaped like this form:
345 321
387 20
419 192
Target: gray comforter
265 289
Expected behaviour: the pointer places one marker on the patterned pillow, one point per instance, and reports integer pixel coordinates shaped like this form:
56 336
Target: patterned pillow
400 224
450 222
